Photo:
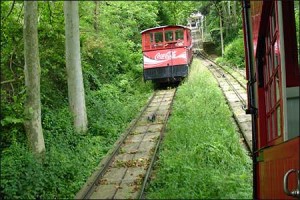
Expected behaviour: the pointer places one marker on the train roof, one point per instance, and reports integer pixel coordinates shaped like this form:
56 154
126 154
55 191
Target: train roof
168 26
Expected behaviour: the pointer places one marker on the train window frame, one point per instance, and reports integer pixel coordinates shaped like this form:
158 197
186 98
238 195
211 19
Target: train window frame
151 38
161 36
272 81
169 36
179 32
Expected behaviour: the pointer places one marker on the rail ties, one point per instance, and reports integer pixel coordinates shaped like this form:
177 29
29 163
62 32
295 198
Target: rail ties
236 96
123 173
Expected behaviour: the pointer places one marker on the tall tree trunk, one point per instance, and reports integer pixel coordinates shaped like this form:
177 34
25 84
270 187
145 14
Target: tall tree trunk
221 33
32 123
225 16
96 13
73 63
229 10
202 28
234 14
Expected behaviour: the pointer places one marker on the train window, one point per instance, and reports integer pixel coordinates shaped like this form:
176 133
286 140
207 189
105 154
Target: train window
151 37
179 35
169 36
272 22
278 121
272 79
268 101
277 87
158 37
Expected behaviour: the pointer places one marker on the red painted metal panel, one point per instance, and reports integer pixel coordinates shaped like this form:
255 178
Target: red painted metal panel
275 156
166 57
262 138
277 160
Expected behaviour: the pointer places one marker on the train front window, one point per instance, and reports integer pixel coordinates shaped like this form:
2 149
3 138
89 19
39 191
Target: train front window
169 36
179 35
158 37
151 37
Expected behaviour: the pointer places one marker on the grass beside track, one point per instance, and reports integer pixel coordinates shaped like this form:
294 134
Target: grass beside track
201 156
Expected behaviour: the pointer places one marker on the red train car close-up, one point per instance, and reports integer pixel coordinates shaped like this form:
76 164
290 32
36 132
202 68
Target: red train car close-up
272 63
167 52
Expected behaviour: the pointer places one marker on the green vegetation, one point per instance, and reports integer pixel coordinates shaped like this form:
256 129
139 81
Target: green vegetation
229 12
209 161
234 55
115 92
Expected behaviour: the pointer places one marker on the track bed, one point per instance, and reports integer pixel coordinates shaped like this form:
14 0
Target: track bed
123 173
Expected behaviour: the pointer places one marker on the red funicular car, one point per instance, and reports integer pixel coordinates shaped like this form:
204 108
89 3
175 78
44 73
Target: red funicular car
273 72
167 52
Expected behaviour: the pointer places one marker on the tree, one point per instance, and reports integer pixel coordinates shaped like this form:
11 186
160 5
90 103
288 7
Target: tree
219 11
33 125
73 64
96 13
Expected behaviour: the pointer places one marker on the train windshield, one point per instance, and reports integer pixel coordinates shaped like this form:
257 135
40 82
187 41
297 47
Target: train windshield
169 36
158 37
179 35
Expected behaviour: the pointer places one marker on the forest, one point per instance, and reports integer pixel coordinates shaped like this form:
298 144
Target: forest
51 139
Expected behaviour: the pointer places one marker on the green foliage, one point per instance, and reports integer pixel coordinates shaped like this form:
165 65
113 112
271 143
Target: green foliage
209 161
69 158
231 22
175 12
234 54
115 92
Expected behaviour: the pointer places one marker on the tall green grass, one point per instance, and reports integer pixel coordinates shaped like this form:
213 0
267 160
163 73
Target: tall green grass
201 156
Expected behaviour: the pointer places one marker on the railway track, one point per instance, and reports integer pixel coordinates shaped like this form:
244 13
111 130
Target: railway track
234 73
236 94
124 172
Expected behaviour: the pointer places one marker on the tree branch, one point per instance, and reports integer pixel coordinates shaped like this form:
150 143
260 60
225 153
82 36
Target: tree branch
50 12
20 11
11 8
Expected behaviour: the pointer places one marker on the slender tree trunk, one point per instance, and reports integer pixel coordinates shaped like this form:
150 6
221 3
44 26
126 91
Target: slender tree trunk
234 14
33 125
96 13
202 29
229 10
221 33
73 63
225 18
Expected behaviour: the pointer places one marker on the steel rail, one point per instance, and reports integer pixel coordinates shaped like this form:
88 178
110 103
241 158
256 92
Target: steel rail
227 80
153 159
91 188
207 58
246 142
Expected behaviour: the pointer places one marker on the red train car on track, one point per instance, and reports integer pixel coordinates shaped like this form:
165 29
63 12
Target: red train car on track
167 52
272 62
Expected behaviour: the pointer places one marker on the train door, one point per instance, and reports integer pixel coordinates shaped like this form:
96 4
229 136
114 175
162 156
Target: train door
277 158
174 43
169 44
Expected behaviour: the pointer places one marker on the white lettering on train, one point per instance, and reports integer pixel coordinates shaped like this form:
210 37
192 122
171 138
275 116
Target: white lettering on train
165 56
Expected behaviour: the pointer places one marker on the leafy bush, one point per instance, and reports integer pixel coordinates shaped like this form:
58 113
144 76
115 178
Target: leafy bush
234 54
201 156
115 92
114 89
